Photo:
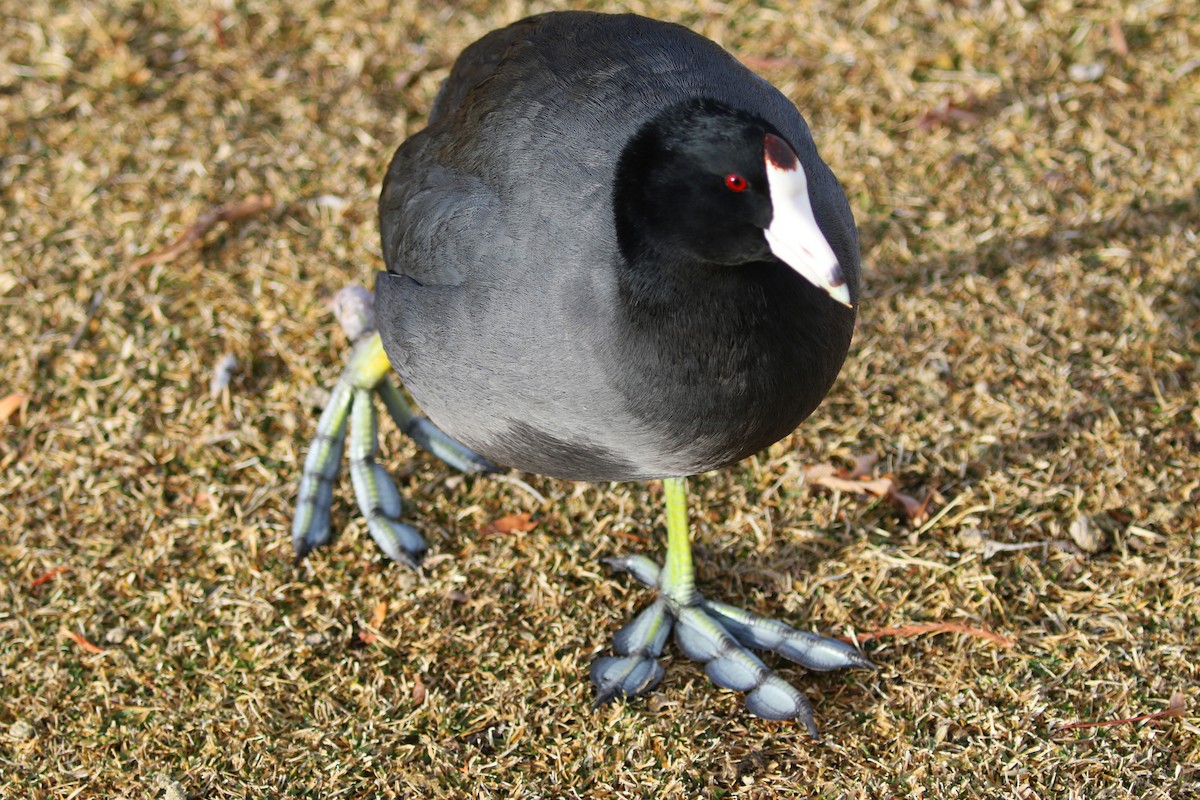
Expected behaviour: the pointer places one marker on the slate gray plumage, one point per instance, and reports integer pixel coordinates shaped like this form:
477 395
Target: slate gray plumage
503 308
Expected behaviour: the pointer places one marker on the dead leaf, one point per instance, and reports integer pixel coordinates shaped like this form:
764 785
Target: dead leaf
510 523
379 615
859 481
864 465
419 691
945 113
196 500
1176 706
1088 536
917 511
876 487
369 635
10 404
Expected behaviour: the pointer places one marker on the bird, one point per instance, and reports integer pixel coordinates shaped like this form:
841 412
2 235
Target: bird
613 254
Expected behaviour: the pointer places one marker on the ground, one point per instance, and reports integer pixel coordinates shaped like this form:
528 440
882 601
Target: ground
1024 175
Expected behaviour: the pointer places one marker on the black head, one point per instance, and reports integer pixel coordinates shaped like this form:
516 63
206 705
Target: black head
706 183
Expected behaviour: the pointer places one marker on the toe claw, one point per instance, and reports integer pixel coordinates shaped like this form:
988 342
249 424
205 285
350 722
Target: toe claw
777 699
623 676
398 541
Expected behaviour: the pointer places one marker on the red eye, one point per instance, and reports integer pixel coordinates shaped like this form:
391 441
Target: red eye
735 182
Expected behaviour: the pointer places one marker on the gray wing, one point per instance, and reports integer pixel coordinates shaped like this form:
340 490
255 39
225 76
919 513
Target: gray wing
432 217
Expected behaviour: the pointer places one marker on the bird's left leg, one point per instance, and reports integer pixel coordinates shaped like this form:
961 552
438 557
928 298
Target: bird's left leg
350 421
712 633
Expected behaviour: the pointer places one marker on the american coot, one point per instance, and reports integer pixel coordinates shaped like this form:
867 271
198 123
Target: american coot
614 254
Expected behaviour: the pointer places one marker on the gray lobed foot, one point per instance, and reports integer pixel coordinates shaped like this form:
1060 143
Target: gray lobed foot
350 423
717 635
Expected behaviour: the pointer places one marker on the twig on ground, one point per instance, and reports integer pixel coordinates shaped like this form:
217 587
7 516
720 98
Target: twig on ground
520 484
934 627
89 315
1176 707
46 577
79 639
233 211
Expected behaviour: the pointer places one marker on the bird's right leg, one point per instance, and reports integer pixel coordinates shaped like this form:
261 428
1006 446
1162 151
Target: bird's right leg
350 419
713 633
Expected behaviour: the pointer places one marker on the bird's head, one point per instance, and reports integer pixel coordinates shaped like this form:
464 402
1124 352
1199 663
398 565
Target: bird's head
709 183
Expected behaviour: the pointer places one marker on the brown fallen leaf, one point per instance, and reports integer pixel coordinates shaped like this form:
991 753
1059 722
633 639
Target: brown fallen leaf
859 481
945 113
864 466
1087 535
921 629
197 499
81 641
917 511
832 478
233 211
368 636
1176 708
419 691
379 615
510 523
10 404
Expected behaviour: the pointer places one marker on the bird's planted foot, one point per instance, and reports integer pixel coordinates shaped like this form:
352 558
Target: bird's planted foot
719 636
350 422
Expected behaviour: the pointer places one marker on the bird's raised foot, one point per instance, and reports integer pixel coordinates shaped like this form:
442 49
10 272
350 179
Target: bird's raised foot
717 635
350 422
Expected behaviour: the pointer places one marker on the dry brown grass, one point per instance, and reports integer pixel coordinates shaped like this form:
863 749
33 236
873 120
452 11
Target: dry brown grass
1028 349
